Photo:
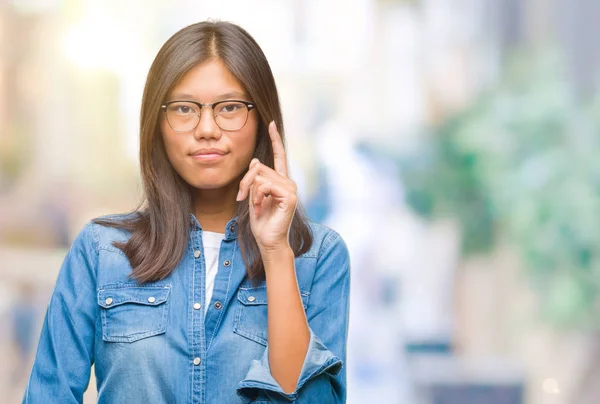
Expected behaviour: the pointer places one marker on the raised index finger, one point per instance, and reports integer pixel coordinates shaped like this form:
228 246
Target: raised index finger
278 150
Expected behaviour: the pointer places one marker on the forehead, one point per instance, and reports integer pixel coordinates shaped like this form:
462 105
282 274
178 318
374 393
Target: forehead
208 82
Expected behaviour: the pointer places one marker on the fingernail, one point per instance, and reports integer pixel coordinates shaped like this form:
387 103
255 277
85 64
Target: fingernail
239 196
254 161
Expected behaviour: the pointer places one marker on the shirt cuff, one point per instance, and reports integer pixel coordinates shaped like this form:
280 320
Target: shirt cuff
318 360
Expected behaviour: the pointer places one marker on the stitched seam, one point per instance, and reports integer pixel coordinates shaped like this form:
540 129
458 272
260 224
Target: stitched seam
142 303
191 329
128 285
134 337
236 319
226 297
302 292
95 238
252 337
104 325
120 286
112 249
97 310
331 237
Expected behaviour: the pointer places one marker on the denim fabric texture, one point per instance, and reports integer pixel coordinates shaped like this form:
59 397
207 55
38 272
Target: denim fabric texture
152 343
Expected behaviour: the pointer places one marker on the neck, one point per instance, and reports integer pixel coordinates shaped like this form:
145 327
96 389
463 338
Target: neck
214 208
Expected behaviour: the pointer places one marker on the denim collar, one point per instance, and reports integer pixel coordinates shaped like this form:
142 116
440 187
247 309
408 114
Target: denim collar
230 228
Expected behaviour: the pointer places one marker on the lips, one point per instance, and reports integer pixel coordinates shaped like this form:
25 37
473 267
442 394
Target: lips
208 155
208 152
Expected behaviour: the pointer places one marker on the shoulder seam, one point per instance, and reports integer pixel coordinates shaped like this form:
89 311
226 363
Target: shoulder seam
95 237
111 248
329 239
95 244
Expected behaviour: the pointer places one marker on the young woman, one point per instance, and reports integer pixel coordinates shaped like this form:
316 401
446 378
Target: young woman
216 289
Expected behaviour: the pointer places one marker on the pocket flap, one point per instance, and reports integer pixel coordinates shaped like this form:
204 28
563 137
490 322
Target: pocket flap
253 296
112 296
258 296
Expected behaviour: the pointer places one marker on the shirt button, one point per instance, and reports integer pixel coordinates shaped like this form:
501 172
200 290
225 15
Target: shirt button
251 298
108 301
197 254
218 305
227 263
197 306
196 361
151 299
232 228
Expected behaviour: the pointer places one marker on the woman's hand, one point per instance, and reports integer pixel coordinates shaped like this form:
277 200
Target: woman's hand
272 198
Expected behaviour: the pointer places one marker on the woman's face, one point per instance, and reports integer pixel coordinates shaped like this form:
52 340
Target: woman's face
188 152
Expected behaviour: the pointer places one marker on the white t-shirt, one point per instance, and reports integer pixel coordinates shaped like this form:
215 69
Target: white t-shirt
212 244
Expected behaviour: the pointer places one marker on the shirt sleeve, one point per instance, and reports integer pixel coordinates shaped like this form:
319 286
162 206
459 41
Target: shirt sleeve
62 365
323 375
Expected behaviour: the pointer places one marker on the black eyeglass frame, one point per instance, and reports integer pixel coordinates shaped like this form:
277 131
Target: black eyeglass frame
249 105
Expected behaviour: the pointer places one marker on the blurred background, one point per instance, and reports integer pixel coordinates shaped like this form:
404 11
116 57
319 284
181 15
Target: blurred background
452 143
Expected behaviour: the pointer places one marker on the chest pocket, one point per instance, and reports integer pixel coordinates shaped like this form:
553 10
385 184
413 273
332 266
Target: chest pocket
251 317
132 312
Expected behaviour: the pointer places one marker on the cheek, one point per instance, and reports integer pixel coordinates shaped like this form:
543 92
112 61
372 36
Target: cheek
249 147
172 154
243 155
164 133
169 141
249 140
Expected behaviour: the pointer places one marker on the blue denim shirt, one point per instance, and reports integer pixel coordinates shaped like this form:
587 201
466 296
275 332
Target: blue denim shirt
152 343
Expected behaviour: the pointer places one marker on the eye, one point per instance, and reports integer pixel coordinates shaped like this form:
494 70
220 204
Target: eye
230 107
182 108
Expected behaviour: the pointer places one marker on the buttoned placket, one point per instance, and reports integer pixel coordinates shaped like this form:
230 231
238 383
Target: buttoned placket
205 327
196 297
222 290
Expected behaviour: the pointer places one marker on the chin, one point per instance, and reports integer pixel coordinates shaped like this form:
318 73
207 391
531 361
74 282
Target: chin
210 179
209 184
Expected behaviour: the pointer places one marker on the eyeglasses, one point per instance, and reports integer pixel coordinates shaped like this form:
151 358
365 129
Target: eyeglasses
184 116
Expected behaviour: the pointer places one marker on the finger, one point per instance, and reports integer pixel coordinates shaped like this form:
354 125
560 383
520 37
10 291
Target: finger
251 205
277 191
248 179
255 197
268 174
259 195
280 159
258 169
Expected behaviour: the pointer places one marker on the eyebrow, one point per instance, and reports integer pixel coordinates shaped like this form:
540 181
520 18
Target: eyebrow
225 96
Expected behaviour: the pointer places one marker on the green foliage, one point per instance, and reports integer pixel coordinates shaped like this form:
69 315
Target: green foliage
523 162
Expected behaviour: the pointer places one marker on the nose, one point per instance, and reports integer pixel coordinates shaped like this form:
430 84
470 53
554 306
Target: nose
207 127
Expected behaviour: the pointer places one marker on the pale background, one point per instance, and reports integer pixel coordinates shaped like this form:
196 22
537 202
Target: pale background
367 88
